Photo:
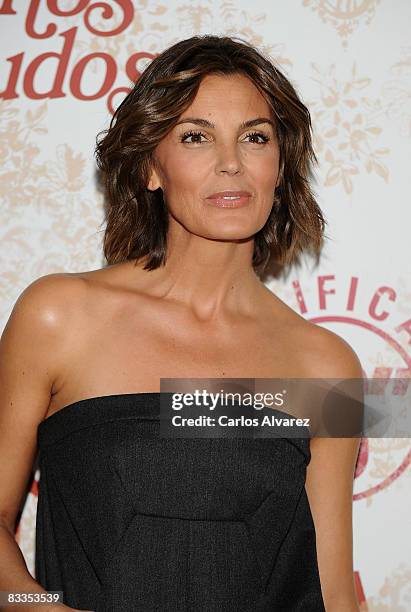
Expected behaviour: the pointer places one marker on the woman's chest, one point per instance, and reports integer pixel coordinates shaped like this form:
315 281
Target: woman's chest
175 348
134 355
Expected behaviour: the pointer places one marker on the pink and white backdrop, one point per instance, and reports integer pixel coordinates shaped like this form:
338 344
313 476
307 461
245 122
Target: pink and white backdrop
65 64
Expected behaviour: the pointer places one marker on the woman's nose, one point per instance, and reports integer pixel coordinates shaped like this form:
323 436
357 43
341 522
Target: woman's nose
228 159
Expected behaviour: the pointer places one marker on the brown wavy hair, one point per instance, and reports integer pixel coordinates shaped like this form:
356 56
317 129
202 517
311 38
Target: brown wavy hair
137 218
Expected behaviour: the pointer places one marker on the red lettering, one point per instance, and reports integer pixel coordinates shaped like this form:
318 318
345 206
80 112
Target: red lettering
323 292
406 326
10 91
113 93
111 73
7 8
131 67
125 5
375 300
352 293
53 8
299 296
132 73
31 18
62 58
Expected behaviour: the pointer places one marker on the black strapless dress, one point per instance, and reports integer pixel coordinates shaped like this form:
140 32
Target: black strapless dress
128 521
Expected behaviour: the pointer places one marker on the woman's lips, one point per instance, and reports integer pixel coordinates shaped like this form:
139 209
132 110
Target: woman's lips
232 201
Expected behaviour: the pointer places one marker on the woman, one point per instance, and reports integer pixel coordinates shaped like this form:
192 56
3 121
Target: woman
207 164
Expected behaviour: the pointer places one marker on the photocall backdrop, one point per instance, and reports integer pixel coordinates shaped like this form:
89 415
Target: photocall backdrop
66 64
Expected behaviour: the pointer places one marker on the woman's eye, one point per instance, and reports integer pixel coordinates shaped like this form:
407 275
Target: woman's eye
196 137
259 135
191 135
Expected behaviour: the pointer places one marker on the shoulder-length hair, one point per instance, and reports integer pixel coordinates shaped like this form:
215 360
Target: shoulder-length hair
137 218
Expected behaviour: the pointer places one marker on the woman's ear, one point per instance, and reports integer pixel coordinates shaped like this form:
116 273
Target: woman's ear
154 181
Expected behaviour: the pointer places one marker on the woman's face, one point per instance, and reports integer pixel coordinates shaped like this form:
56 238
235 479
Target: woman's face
210 151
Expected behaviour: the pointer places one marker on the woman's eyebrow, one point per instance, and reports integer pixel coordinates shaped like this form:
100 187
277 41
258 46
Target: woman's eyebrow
207 124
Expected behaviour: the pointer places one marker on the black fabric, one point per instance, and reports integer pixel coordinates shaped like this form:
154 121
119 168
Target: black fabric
128 521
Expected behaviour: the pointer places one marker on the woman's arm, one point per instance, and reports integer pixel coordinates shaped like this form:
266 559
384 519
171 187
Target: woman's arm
30 350
329 486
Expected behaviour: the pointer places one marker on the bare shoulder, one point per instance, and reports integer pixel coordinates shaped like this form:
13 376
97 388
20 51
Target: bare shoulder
320 352
49 298
328 354
41 317
62 301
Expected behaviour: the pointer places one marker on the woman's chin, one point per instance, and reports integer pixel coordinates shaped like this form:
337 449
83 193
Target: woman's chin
232 234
